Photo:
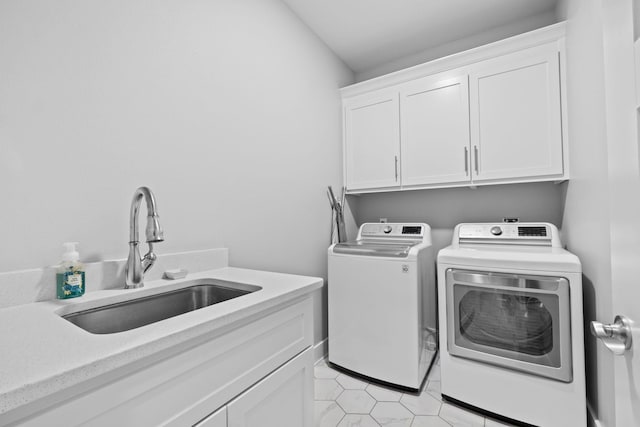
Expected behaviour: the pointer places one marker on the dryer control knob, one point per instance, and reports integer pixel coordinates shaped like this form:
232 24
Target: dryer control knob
496 231
387 229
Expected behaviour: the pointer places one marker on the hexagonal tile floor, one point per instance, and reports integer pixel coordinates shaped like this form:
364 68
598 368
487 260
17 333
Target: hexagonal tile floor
344 401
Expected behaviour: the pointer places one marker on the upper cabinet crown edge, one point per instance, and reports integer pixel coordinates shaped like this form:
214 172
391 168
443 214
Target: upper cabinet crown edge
551 33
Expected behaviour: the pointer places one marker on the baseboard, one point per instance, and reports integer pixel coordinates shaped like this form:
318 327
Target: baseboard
320 350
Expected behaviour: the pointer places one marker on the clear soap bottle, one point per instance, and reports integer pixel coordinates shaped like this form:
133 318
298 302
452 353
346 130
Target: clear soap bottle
70 274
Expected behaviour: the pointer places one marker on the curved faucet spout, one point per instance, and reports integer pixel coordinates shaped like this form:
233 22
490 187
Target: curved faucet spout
136 266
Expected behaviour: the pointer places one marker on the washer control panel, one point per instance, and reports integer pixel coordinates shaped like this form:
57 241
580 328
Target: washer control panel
396 230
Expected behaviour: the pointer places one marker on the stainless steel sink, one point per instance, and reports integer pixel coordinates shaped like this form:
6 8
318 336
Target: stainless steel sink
135 313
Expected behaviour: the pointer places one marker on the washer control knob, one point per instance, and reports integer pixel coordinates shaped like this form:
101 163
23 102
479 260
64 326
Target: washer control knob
387 229
496 231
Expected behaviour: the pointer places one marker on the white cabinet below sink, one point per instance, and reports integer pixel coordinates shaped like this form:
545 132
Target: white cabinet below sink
242 375
282 399
217 419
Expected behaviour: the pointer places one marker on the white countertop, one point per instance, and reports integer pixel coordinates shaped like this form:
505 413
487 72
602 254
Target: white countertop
42 354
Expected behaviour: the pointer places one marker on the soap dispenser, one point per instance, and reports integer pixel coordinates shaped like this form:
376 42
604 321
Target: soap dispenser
70 274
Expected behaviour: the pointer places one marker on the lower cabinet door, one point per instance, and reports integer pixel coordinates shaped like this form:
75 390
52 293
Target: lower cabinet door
282 399
217 419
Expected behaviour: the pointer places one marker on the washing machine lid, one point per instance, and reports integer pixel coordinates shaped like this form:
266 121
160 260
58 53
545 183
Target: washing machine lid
376 247
391 240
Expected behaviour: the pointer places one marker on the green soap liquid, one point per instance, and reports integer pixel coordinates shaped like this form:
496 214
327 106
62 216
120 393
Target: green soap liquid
70 284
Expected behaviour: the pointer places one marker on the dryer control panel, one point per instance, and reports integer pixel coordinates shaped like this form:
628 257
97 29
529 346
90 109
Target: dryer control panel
507 233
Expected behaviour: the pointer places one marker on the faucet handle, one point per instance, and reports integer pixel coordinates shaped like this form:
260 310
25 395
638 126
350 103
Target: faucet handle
148 260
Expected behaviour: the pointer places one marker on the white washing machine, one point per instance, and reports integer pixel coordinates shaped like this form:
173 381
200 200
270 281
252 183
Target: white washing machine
511 328
382 303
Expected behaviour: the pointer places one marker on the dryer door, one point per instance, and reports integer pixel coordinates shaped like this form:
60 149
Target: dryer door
520 322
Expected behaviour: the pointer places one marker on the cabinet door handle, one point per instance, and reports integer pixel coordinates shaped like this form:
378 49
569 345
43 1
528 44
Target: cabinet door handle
466 161
475 153
396 166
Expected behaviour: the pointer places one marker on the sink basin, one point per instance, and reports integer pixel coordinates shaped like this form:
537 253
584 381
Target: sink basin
135 313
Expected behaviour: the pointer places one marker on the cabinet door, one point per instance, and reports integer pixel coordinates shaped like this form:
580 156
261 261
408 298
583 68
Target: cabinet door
372 141
516 130
282 399
217 419
434 115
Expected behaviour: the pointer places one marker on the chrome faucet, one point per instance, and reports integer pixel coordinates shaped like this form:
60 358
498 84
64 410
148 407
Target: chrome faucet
136 267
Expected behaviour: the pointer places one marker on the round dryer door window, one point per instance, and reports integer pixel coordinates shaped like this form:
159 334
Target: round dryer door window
507 320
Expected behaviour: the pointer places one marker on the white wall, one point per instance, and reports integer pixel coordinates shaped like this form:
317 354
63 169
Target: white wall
586 215
227 109
486 37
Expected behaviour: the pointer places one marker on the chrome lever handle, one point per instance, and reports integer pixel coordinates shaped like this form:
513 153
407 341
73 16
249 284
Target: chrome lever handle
616 336
149 259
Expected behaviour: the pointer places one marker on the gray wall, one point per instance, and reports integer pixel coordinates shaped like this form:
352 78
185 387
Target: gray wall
227 109
486 37
442 209
590 218
596 219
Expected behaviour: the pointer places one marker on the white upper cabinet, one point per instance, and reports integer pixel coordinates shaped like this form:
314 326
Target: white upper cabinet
491 115
435 131
372 141
516 129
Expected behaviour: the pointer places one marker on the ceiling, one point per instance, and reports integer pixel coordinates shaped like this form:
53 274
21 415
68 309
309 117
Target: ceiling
366 34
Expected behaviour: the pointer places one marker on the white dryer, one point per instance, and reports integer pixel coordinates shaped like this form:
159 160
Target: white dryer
511 323
382 303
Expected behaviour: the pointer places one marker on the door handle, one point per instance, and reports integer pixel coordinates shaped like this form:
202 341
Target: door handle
475 152
616 336
466 161
396 167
